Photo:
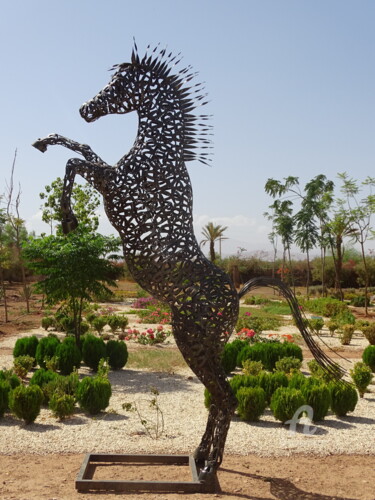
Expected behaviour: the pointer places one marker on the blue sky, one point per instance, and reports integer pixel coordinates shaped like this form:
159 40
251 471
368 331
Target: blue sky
291 88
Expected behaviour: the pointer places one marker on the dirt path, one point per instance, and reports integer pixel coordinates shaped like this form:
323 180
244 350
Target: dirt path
338 477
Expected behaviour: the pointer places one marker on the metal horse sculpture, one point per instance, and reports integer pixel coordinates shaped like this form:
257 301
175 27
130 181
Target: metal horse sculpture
148 199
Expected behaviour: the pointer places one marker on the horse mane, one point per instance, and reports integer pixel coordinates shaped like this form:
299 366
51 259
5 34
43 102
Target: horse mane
197 144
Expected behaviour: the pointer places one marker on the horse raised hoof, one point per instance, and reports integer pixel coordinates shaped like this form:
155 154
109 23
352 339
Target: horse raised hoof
69 223
40 145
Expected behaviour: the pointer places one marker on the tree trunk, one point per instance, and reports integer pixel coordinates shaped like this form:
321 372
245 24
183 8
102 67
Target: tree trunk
4 295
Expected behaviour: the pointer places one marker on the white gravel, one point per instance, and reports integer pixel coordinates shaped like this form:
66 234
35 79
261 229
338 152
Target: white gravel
181 401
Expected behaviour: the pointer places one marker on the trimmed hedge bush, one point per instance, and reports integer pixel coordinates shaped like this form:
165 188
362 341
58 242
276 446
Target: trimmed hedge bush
318 397
239 381
361 375
93 394
69 356
4 396
269 353
93 349
344 398
229 357
251 403
270 382
117 354
368 357
42 376
62 405
285 402
10 377
25 402
26 346
46 349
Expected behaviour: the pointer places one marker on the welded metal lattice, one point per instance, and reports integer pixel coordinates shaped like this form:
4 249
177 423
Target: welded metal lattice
148 199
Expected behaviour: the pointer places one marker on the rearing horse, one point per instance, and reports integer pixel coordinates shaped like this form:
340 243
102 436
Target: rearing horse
148 199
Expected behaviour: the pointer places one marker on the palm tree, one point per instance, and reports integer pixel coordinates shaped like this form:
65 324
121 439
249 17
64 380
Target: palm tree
212 233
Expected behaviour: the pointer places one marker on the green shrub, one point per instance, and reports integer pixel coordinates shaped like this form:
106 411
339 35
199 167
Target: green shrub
251 403
318 397
325 306
4 396
99 323
252 367
345 318
123 322
288 364
67 324
42 376
93 349
113 322
117 354
62 405
26 346
69 356
316 324
332 326
90 317
46 349
318 371
296 380
47 322
369 333
285 402
359 301
239 381
61 385
229 357
368 357
268 353
25 402
93 394
362 376
257 323
344 398
346 334
270 382
22 365
10 377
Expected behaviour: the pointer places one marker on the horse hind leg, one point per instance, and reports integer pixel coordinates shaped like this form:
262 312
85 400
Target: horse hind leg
207 367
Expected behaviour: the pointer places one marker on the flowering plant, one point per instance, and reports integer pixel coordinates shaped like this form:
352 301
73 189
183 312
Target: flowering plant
150 336
248 334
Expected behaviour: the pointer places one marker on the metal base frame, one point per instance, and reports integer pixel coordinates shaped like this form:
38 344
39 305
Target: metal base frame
85 480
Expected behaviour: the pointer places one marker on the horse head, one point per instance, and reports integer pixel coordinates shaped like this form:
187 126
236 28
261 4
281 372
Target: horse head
119 96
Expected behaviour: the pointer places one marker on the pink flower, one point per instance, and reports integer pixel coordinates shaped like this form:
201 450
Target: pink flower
247 313
219 313
150 330
159 328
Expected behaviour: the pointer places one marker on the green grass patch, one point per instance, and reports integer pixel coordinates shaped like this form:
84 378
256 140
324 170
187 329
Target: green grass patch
277 308
166 360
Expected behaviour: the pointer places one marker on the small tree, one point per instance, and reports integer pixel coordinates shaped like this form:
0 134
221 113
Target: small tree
85 201
76 266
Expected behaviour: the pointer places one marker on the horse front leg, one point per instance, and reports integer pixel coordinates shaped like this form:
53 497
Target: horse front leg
94 174
77 147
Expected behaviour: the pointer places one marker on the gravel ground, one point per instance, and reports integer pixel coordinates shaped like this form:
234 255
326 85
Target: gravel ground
181 402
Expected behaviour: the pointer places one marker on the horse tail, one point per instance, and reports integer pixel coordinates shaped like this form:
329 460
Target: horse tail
331 368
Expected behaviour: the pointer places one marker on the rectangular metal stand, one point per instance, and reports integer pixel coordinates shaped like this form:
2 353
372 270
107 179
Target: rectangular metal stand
85 480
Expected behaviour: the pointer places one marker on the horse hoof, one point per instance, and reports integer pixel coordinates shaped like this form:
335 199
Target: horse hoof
69 223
